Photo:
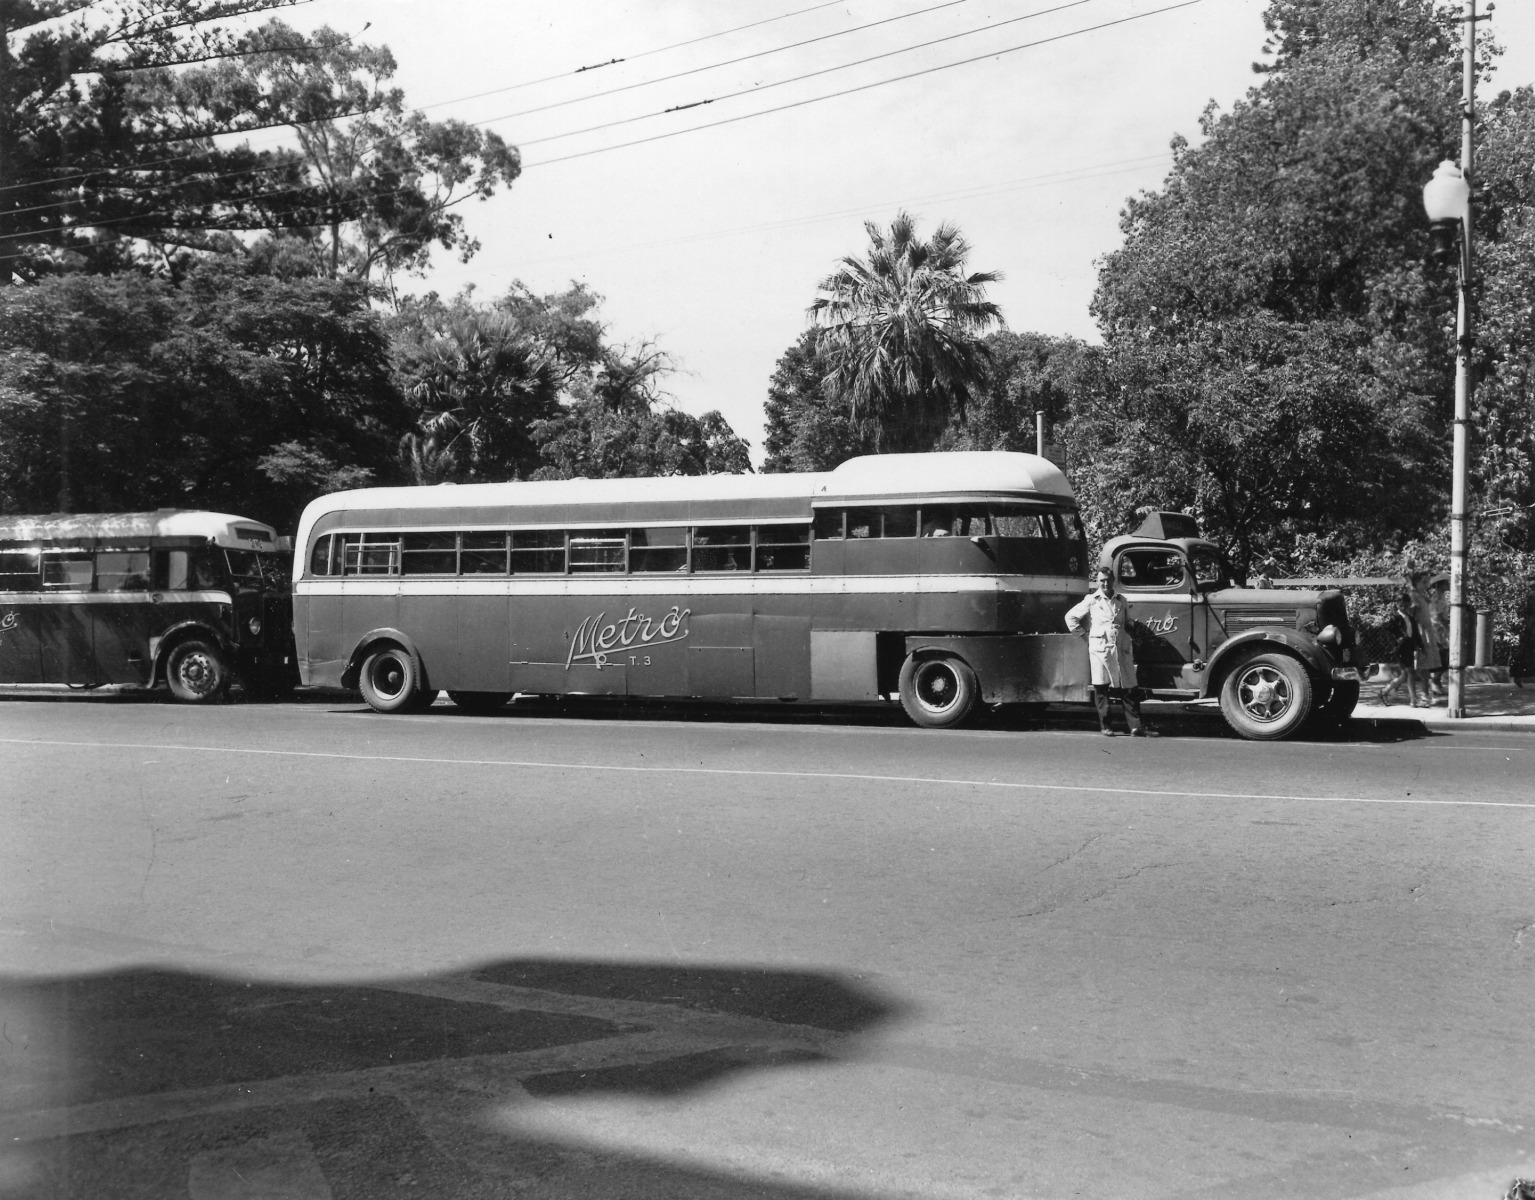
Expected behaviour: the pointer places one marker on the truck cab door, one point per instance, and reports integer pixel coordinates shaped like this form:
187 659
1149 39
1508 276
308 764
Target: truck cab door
1156 584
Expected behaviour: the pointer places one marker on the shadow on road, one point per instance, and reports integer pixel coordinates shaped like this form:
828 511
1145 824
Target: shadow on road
152 1083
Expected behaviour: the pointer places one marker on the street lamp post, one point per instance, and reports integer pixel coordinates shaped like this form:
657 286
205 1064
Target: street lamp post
1447 200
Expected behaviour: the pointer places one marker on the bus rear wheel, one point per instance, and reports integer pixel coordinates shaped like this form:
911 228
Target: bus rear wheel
939 692
479 702
390 682
195 672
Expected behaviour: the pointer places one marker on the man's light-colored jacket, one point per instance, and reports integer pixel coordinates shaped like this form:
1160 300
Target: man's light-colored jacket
1105 622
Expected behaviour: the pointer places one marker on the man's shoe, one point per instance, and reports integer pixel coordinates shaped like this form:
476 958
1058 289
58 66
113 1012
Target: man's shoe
1144 732
1107 732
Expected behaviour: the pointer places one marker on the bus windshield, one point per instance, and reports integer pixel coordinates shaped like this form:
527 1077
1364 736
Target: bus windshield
249 568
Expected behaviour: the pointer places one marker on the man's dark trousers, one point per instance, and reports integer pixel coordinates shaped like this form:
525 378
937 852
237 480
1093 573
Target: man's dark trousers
1103 693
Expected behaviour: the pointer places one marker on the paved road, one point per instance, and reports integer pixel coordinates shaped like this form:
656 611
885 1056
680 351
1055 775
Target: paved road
305 951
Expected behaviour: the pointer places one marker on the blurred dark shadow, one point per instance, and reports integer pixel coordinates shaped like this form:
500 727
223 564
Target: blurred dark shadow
152 1083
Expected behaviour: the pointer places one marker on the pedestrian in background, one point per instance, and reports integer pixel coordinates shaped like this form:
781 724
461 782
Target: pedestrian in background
1104 620
1404 651
1429 660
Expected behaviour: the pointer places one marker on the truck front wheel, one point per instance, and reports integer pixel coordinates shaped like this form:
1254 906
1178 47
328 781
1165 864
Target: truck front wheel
1267 697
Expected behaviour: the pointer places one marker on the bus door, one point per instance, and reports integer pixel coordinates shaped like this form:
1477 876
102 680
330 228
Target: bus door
1154 581
66 641
19 655
122 616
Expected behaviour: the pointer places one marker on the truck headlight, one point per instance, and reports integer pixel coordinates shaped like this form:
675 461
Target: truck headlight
254 625
1331 635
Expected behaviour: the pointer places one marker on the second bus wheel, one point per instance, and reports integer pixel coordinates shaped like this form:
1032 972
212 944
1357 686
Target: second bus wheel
937 692
480 702
196 672
390 682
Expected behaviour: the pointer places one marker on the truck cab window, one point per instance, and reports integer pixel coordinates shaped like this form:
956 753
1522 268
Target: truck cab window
1150 569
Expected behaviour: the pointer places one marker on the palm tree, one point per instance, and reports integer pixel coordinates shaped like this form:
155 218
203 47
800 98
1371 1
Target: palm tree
902 331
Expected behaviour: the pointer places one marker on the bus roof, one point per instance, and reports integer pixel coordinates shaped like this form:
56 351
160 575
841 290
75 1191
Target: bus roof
946 475
223 529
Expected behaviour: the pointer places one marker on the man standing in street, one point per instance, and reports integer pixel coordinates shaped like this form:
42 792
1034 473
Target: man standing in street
1104 620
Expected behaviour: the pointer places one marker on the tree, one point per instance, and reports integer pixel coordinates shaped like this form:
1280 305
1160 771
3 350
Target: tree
808 429
232 391
1026 373
376 190
1296 227
478 381
108 116
529 387
900 330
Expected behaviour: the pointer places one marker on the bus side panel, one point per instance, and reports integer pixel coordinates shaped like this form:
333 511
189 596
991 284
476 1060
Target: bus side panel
484 644
122 632
365 612
65 639
317 632
781 655
543 659
720 652
20 660
844 664
1049 668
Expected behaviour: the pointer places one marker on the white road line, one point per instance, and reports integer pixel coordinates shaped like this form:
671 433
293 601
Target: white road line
848 776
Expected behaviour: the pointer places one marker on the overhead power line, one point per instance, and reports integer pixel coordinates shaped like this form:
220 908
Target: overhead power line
1060 37
777 83
730 62
993 54
635 57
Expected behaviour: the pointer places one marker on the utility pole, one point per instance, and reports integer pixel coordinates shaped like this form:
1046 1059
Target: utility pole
1463 344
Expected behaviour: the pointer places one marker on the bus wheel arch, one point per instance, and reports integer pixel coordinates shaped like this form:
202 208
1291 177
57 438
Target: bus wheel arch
938 689
1267 695
196 668
386 667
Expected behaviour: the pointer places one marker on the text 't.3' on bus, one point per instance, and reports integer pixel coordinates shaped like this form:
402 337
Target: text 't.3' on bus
942 579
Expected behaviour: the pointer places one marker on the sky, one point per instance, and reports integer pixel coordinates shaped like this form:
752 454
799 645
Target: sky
707 229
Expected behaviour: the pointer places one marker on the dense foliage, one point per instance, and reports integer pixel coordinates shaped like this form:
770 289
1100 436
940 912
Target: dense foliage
192 322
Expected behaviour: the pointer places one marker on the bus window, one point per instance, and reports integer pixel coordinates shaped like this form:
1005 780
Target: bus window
658 549
538 551
1019 523
483 554
18 571
861 523
122 570
67 570
429 554
597 551
783 547
828 523
371 554
319 558
722 548
900 522
938 521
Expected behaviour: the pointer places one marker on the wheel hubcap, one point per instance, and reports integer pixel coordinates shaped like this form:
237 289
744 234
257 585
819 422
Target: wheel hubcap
1264 693
197 672
388 678
936 687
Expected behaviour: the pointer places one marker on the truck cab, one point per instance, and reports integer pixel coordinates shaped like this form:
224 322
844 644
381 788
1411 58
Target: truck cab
1277 660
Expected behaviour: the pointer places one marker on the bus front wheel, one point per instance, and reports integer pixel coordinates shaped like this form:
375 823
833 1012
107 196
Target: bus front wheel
937 692
195 672
390 682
